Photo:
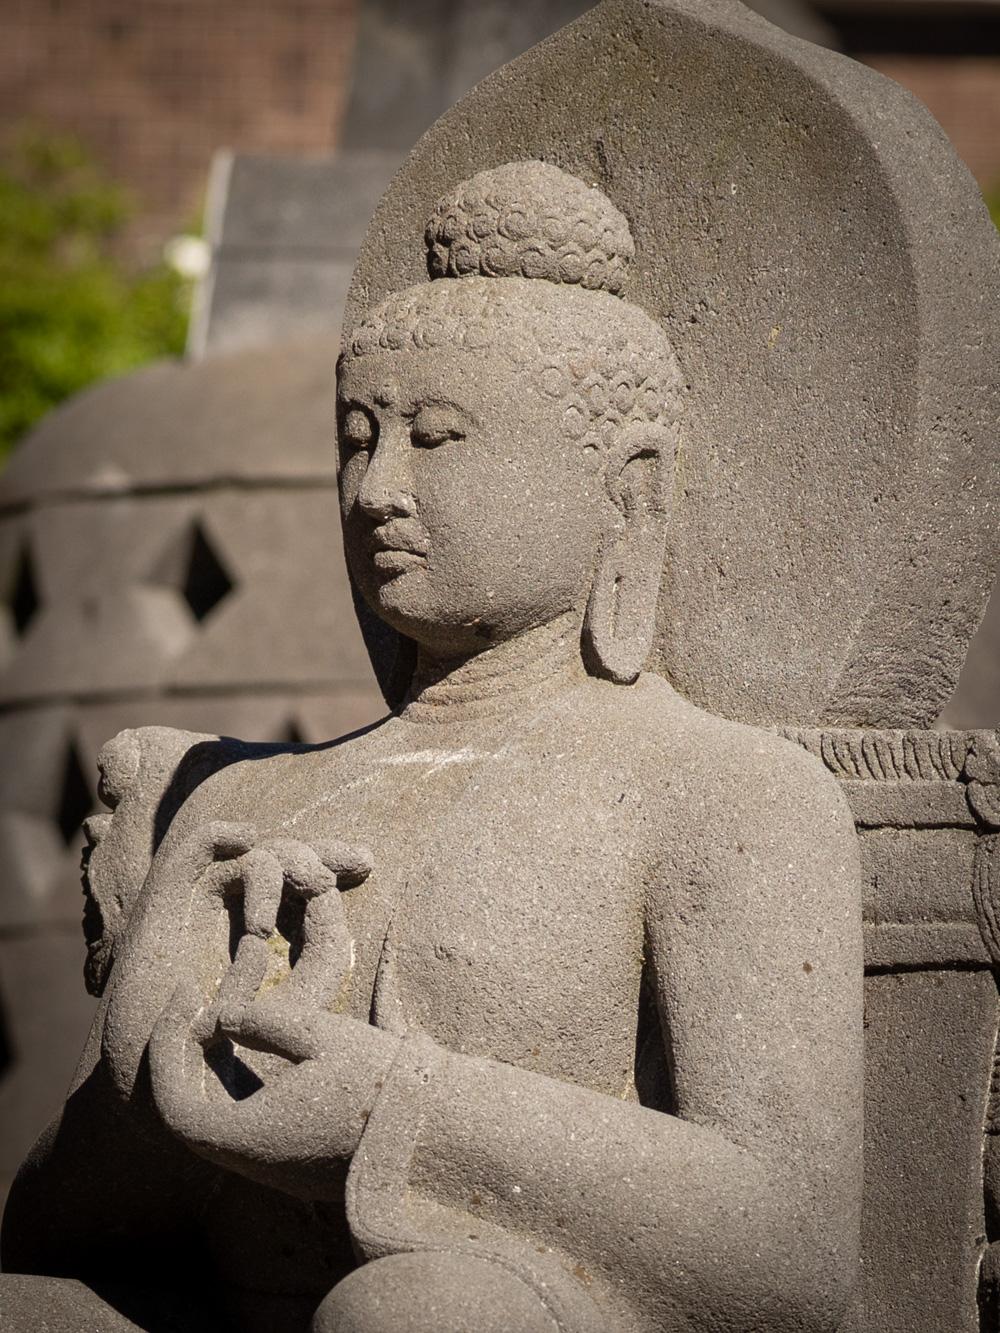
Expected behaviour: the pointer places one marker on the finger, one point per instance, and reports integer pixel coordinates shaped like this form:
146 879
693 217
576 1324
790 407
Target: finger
351 863
199 850
171 1037
220 876
263 880
231 839
304 871
325 961
274 1027
245 974
211 1126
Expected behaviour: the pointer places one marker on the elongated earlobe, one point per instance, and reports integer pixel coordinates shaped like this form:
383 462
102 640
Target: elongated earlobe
621 610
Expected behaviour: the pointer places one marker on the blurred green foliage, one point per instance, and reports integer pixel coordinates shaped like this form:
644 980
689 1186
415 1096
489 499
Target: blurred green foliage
71 311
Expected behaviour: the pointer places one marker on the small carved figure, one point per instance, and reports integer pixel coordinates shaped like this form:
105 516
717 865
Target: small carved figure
535 1006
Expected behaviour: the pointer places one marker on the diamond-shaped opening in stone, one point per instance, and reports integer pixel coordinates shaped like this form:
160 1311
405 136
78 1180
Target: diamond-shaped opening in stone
75 800
22 598
206 582
192 567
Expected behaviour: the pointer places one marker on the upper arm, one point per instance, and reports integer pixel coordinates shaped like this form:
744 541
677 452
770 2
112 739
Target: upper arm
754 932
146 776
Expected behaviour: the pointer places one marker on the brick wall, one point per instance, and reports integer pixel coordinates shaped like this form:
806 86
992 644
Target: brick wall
155 86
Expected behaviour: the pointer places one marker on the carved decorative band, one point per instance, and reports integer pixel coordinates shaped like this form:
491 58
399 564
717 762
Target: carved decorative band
986 893
860 754
857 754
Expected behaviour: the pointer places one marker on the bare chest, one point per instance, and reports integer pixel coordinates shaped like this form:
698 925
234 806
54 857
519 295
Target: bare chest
503 915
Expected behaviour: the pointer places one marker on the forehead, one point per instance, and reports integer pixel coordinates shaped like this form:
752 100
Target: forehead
409 376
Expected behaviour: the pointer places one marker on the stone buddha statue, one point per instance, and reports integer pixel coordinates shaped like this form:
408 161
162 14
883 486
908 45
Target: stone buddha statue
537 1005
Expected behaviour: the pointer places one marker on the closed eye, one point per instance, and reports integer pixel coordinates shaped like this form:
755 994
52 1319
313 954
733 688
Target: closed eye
435 424
358 428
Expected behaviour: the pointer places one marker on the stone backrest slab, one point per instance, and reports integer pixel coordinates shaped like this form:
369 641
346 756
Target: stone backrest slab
829 276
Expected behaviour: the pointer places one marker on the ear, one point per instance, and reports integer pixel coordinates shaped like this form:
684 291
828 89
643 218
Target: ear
621 610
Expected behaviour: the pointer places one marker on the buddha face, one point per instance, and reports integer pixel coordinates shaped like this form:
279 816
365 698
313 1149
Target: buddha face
469 517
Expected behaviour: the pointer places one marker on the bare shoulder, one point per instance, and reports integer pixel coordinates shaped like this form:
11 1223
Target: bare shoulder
158 783
737 795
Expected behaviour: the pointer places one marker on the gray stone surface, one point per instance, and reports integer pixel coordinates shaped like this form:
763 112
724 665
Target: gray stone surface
415 58
402 900
258 299
931 875
260 417
167 527
540 1004
930 1040
805 234
59 1305
285 231
304 205
284 244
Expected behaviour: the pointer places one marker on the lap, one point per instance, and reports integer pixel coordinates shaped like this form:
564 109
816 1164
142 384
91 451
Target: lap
430 1290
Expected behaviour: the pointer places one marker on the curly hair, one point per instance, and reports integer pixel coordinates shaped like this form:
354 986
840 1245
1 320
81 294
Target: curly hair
540 259
530 220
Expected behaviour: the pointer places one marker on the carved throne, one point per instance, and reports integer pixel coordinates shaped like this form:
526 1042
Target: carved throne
829 277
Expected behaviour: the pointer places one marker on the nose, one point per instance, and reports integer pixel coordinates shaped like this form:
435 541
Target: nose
386 489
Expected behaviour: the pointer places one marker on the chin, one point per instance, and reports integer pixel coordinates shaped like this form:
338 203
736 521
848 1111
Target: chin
402 603
405 606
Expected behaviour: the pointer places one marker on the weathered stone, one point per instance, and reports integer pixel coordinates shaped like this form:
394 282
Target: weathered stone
303 205
258 300
414 58
257 417
540 1003
158 538
57 1305
285 231
805 235
929 1043
437 883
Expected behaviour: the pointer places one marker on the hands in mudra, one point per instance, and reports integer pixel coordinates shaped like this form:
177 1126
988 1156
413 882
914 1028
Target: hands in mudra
253 1070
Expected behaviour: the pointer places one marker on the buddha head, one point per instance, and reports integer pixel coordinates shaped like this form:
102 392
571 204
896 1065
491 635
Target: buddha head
507 433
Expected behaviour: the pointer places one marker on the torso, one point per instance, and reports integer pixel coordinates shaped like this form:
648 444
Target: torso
503 856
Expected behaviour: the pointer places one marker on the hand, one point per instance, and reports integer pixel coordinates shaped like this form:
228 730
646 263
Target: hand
220 884
307 1114
278 873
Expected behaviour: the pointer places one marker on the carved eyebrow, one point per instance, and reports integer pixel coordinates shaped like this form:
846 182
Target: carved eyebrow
439 401
346 401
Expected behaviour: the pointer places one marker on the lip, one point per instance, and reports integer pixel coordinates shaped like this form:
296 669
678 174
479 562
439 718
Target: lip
391 560
397 547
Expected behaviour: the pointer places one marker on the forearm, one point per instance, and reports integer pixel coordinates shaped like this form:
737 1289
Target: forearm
690 1220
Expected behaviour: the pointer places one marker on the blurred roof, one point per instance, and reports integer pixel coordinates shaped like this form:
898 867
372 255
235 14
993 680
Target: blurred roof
264 415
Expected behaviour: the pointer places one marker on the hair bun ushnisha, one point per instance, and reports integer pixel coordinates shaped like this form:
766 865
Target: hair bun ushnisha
530 220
